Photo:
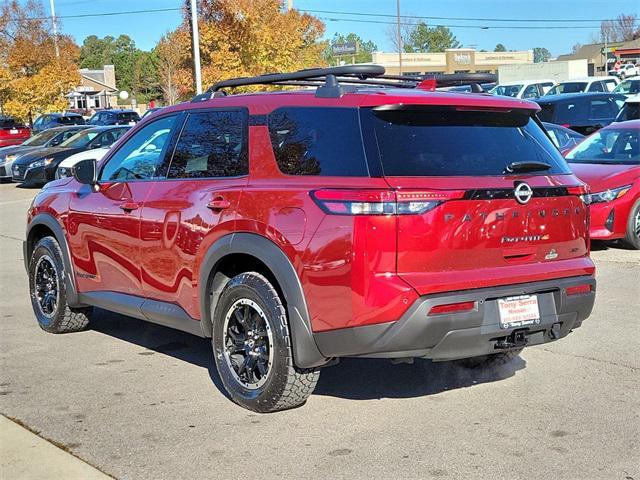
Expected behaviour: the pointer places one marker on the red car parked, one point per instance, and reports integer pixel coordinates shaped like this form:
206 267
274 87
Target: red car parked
12 132
609 162
361 217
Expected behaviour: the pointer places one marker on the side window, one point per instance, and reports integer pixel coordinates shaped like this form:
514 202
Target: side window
67 134
609 85
318 141
212 144
140 156
104 140
596 87
602 109
39 121
531 91
545 87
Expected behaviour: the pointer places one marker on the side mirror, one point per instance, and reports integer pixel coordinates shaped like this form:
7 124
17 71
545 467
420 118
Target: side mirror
85 172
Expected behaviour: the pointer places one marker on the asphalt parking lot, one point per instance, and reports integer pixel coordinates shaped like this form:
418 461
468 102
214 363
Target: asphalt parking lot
142 401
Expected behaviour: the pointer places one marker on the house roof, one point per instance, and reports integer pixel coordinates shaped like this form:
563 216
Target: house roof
92 78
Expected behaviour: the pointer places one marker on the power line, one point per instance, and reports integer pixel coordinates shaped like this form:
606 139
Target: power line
357 20
105 14
479 27
468 19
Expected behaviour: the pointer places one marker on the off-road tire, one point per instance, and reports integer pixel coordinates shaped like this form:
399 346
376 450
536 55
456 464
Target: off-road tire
631 239
489 361
286 386
64 319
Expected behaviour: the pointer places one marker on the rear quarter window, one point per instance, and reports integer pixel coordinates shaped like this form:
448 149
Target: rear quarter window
317 141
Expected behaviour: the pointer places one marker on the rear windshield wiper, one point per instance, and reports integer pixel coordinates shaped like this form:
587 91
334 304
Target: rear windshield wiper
530 166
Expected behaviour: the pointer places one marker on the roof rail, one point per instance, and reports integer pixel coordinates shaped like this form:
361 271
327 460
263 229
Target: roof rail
360 72
329 80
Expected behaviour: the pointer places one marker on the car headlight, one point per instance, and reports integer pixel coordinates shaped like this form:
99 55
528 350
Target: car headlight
609 195
45 162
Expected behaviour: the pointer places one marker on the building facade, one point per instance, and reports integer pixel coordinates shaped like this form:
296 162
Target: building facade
601 58
454 60
97 90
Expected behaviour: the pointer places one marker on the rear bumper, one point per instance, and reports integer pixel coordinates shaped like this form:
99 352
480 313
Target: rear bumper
465 334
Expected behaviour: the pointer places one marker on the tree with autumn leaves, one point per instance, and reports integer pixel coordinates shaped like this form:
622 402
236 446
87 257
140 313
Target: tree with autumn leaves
240 38
32 79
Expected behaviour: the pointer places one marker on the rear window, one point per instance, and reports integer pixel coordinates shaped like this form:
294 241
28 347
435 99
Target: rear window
8 122
317 141
128 117
444 142
71 120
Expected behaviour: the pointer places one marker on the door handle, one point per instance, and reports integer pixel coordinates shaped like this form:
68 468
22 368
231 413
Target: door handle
129 206
218 204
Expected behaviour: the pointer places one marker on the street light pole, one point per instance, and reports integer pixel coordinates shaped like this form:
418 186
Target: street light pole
196 46
55 28
399 38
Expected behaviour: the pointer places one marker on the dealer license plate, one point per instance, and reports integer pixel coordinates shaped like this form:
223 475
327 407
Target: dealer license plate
518 311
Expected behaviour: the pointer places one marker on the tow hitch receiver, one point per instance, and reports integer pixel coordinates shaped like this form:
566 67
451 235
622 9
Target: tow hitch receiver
517 338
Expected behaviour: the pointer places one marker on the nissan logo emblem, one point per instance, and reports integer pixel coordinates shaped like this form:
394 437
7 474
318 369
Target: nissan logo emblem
523 193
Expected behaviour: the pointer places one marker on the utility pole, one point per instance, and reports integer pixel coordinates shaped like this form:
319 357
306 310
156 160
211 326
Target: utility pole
195 37
606 54
399 33
55 28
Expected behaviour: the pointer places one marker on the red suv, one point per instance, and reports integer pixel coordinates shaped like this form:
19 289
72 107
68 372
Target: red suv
359 216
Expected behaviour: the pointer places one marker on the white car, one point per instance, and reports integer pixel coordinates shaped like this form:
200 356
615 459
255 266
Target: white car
586 84
523 88
625 71
64 169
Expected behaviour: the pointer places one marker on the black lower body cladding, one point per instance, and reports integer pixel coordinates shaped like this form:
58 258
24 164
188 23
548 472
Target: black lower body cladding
465 334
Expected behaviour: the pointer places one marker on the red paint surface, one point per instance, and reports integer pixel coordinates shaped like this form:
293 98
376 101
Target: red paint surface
354 270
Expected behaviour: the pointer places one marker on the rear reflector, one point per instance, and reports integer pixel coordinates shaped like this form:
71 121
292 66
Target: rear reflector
579 289
452 308
381 202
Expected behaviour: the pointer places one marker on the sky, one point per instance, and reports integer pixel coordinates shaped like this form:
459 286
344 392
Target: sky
147 28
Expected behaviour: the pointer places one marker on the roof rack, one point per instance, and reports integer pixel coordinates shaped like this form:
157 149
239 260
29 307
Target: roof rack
330 81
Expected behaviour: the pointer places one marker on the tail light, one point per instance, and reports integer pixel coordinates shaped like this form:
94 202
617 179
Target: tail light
381 202
582 191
